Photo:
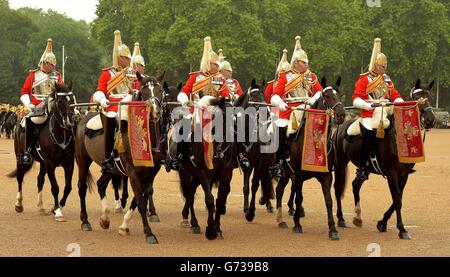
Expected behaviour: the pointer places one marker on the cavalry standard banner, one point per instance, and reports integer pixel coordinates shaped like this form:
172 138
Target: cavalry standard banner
314 157
409 136
139 134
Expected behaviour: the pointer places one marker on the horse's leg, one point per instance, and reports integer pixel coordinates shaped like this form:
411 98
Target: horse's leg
339 184
297 184
250 215
221 202
84 176
21 170
267 189
123 229
40 186
102 184
396 193
152 215
291 201
356 184
59 217
326 180
116 185
382 224
195 227
125 195
68 173
279 195
246 189
140 194
211 231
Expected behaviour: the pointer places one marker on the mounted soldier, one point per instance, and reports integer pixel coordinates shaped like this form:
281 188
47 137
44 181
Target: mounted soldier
114 85
206 82
372 86
283 66
137 60
297 87
39 84
231 88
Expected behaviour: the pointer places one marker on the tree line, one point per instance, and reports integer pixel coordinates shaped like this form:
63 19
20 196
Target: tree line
337 35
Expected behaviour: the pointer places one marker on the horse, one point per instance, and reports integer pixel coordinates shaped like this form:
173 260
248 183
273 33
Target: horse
194 172
52 147
385 150
329 100
260 162
141 178
9 124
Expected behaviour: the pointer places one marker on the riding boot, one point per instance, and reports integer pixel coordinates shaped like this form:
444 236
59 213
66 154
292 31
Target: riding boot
367 143
109 127
29 134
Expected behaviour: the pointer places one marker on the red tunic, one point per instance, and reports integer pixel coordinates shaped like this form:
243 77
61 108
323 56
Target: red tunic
225 92
280 90
103 85
269 91
27 86
360 92
190 83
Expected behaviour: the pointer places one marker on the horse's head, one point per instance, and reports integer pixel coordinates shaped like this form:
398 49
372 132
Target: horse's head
152 91
59 105
422 94
331 99
256 92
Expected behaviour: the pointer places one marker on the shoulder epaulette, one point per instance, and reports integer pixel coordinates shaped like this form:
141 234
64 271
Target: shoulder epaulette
34 70
270 82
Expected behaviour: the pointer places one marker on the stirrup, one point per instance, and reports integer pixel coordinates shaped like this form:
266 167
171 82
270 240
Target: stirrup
363 173
243 161
25 158
108 165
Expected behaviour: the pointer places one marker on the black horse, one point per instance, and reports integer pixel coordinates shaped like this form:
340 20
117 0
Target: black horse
385 150
329 100
141 178
260 162
194 172
52 147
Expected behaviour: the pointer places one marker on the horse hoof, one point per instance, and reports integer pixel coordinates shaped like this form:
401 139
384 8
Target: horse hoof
124 232
249 216
118 210
291 211
357 222
342 224
219 236
86 227
153 218
19 209
283 225
269 210
104 224
211 233
185 223
297 230
262 201
302 212
196 230
60 219
151 240
381 226
404 235
333 236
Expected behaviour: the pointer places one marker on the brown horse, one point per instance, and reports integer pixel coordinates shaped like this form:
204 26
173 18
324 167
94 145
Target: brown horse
396 173
330 99
141 178
52 147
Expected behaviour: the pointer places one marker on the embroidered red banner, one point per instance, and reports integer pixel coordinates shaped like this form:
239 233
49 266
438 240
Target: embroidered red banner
409 136
314 157
139 133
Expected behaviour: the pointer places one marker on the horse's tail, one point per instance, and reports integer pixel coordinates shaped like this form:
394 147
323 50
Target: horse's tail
12 174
